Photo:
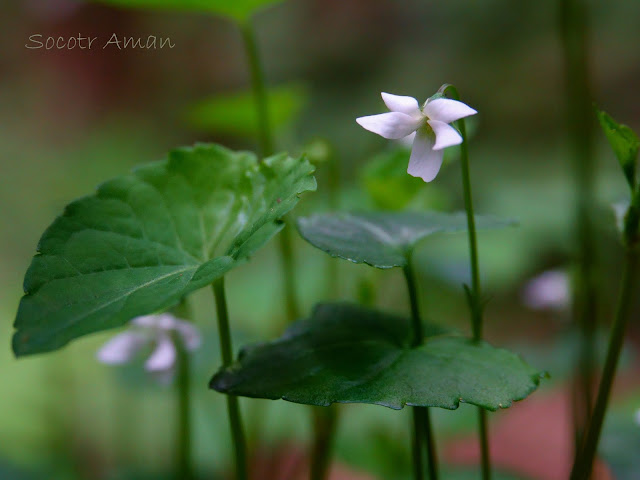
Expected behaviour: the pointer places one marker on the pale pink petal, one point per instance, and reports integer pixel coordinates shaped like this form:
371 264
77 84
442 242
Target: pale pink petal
147 321
164 355
189 334
447 110
122 348
408 140
425 162
391 125
403 104
446 135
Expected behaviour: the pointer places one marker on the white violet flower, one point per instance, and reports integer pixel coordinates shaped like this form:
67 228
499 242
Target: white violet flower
158 331
429 126
548 291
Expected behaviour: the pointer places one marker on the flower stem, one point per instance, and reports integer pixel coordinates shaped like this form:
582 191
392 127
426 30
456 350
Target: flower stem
325 421
322 435
184 449
584 462
474 294
422 430
184 461
233 409
580 125
285 239
258 87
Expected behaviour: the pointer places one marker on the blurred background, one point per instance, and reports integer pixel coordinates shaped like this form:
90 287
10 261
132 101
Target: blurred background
71 119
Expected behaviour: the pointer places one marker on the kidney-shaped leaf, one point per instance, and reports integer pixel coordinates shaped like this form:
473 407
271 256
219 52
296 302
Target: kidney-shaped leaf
238 10
382 239
144 240
347 354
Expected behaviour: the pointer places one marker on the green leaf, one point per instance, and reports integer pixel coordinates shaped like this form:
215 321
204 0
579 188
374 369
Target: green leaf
347 354
144 240
238 10
625 145
382 240
235 114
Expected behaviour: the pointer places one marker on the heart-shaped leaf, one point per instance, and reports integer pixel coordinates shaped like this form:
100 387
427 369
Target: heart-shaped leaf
145 240
238 10
348 354
382 239
235 114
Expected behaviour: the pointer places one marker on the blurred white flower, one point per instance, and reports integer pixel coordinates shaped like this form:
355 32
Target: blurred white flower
620 211
548 291
636 417
158 331
428 127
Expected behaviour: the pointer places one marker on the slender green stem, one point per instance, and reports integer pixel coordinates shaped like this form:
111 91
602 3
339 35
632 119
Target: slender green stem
475 294
233 409
184 470
584 462
325 420
412 288
476 307
580 126
322 436
287 260
184 460
430 444
422 430
324 424
484 444
417 442
258 87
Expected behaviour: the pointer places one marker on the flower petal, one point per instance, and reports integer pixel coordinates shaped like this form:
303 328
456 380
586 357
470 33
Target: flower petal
163 357
447 110
549 290
122 348
408 140
425 162
403 104
446 135
147 321
391 125
189 334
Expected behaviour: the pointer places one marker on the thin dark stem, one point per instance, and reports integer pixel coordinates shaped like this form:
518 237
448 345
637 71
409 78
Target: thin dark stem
476 311
184 463
422 429
584 462
430 444
580 127
416 443
259 89
288 273
416 322
184 460
319 463
484 443
325 420
233 409
475 295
